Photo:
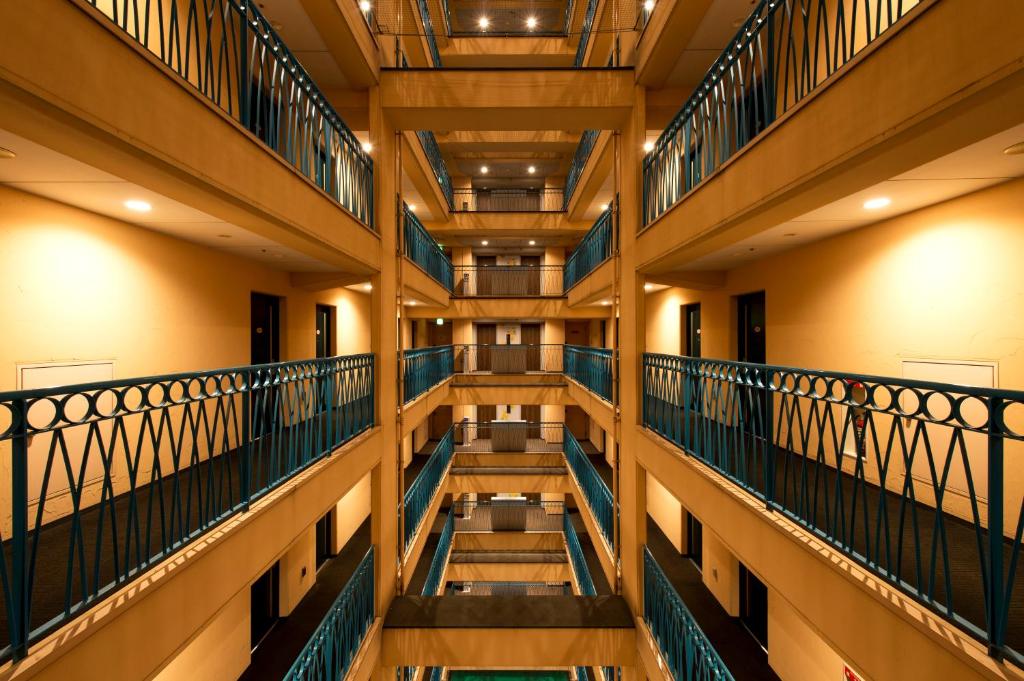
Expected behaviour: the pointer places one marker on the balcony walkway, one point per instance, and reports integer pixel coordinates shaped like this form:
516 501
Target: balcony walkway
796 475
534 445
590 555
743 655
276 653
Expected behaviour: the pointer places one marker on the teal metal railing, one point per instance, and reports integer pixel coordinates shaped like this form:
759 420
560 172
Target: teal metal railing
426 367
427 483
108 479
444 548
421 248
428 30
228 51
594 249
783 52
585 30
437 164
595 491
576 558
333 646
591 367
687 652
906 477
579 161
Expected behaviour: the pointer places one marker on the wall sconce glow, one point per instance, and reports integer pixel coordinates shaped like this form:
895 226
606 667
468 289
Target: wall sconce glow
367 287
484 23
367 147
483 243
604 206
532 242
412 302
531 170
365 6
648 147
138 205
877 202
412 207
606 302
648 5
648 287
439 321
531 23
484 170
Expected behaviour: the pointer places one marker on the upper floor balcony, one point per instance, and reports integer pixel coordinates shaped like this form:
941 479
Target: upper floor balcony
108 479
913 480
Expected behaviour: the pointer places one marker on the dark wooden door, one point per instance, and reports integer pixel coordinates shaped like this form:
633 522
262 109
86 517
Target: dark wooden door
325 331
533 276
485 413
531 414
486 336
530 334
750 328
484 276
265 316
691 330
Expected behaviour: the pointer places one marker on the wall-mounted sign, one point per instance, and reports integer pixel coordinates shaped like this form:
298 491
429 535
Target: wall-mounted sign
850 675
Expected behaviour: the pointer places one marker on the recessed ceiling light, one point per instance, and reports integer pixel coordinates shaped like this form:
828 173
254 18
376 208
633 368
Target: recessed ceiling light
367 147
648 287
367 287
604 206
532 242
412 207
483 243
1012 150
606 302
648 5
484 169
531 170
439 321
365 5
877 202
531 22
6 153
648 147
138 205
412 302
484 22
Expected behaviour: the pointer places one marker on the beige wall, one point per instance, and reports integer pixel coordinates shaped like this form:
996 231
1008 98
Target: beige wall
76 285
942 282
219 651
666 511
351 512
797 650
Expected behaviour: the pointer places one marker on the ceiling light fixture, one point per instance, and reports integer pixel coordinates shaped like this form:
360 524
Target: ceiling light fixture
648 147
604 206
484 242
532 242
531 23
648 5
484 23
367 287
648 287
606 302
412 302
6 153
1012 150
531 170
877 202
412 207
484 170
367 147
138 205
365 6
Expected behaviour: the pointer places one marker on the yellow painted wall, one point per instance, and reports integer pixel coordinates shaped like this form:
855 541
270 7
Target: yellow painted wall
666 511
351 512
721 572
941 282
796 650
219 651
76 285
297 570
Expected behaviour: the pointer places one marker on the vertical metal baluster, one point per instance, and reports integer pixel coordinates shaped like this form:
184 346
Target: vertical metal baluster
996 604
245 462
20 589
